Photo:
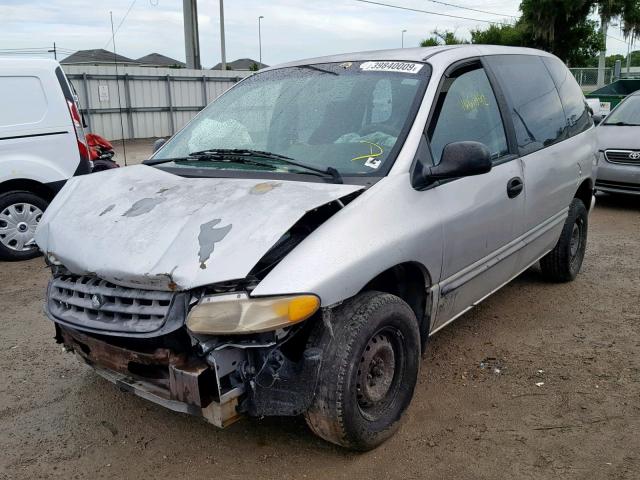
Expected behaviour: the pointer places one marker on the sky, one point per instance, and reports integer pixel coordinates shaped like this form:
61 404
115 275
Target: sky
290 29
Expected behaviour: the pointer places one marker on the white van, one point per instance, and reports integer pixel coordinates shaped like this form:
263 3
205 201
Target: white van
42 145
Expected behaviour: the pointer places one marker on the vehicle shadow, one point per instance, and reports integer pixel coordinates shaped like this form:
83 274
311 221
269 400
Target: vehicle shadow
617 201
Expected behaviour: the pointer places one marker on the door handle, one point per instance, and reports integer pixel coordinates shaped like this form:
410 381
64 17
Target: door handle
514 187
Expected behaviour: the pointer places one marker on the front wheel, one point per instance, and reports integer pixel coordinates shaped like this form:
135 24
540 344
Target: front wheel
20 213
563 263
370 364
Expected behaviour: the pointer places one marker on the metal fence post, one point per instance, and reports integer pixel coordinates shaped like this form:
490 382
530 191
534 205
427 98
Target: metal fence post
127 99
172 127
87 97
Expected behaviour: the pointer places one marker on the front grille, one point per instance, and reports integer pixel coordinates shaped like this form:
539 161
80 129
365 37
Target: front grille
95 304
626 157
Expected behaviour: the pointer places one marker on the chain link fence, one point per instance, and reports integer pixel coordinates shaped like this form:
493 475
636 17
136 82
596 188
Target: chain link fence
588 77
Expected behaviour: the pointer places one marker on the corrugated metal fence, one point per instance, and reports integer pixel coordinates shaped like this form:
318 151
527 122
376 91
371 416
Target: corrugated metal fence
150 102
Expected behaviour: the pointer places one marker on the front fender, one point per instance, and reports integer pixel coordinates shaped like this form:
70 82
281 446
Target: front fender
387 225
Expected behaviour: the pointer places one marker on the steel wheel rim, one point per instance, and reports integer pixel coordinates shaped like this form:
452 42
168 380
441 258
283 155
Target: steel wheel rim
576 243
18 223
379 373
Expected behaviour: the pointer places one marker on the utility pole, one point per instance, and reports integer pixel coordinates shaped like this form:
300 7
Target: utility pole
222 47
402 44
604 24
260 41
629 57
191 36
54 51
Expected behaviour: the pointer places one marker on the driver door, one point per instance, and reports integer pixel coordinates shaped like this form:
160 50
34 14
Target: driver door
482 215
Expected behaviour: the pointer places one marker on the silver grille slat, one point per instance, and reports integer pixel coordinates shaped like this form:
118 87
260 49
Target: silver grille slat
622 156
94 303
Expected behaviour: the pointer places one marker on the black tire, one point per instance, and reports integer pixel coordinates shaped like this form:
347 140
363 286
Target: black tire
373 333
563 263
15 198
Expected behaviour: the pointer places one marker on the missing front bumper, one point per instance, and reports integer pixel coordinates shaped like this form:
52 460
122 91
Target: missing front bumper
175 381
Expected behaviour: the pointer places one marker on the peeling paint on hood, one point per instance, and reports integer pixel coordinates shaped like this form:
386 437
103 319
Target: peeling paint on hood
142 227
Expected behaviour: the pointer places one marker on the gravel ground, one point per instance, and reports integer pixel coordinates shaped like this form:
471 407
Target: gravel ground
578 341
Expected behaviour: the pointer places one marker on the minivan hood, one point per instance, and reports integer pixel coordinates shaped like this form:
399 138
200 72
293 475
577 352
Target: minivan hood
139 226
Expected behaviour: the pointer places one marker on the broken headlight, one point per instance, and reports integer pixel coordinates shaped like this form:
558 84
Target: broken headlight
236 313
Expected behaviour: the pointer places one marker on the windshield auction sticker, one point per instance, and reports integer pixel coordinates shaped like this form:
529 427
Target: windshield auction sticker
404 67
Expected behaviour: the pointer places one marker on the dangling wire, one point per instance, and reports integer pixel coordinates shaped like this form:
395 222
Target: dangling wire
115 62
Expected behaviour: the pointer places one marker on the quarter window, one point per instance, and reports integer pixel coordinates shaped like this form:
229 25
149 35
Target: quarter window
575 107
468 110
536 109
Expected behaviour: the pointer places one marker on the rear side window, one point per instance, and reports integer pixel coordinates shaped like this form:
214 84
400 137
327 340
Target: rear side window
575 106
22 101
537 112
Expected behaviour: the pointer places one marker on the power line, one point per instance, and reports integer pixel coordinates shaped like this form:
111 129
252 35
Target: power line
120 24
426 11
471 9
618 39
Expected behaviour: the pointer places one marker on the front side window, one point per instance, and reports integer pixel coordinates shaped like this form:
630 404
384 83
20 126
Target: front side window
536 109
351 117
468 110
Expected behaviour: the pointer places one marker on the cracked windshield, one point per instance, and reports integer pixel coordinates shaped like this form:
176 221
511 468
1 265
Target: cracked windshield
348 117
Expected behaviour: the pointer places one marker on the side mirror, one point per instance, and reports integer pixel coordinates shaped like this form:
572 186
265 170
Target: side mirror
459 159
462 159
158 144
597 118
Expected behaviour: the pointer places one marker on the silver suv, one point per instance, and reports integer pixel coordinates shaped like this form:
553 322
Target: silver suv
292 248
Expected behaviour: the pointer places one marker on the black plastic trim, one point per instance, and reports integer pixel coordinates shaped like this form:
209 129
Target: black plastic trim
34 135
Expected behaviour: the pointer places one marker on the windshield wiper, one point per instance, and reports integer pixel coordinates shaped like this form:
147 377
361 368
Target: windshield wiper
221 153
210 158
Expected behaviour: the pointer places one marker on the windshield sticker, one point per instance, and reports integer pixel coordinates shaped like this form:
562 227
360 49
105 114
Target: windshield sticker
371 158
403 67
373 162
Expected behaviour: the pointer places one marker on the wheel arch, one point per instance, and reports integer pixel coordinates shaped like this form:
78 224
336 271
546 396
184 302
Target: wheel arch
585 192
410 281
24 184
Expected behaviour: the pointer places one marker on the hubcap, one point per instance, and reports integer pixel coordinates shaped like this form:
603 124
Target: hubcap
18 224
376 371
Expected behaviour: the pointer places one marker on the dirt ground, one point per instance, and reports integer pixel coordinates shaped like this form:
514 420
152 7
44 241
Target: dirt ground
134 151
558 397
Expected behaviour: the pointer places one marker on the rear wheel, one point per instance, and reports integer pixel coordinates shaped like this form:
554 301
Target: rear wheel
370 364
563 263
20 213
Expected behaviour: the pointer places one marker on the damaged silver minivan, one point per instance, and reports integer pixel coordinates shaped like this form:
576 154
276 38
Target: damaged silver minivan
291 249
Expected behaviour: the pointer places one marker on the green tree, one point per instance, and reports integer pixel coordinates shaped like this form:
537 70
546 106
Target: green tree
444 37
635 58
563 26
503 34
610 61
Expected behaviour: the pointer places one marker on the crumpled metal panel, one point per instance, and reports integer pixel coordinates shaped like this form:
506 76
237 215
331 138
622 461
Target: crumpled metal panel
142 227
